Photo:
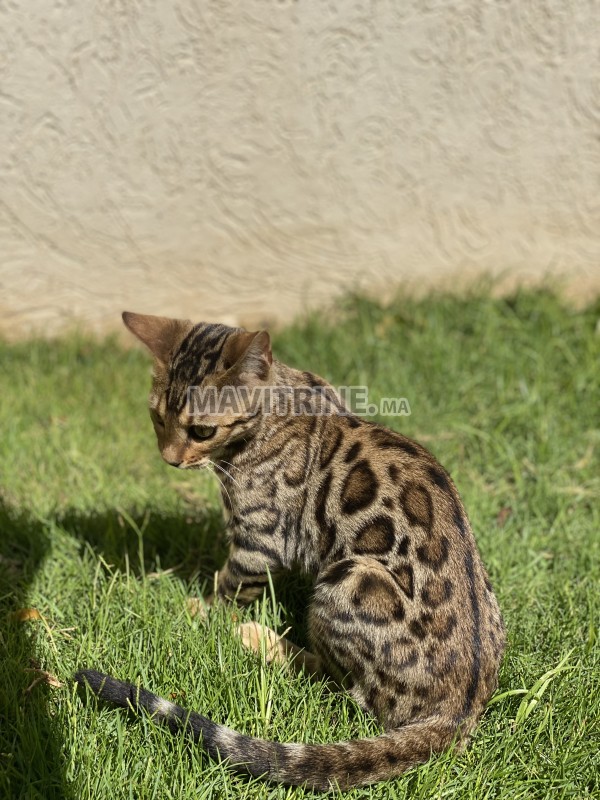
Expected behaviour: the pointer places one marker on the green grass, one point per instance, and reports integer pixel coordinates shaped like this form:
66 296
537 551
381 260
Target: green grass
106 541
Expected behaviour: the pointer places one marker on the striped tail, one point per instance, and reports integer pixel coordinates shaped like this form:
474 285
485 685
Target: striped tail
318 766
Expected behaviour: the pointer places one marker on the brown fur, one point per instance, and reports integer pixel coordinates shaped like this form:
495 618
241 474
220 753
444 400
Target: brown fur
402 614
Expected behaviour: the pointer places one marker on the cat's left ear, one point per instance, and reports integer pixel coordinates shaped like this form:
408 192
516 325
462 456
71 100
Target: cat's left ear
249 354
160 334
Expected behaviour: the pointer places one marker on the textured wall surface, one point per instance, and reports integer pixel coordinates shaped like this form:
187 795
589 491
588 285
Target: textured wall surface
242 160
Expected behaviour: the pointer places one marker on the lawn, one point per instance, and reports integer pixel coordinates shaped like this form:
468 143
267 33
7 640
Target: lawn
104 542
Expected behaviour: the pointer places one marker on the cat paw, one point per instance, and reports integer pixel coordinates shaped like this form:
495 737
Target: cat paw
252 635
198 607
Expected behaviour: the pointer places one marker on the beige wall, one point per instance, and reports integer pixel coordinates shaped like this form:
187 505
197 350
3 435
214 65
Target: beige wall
242 160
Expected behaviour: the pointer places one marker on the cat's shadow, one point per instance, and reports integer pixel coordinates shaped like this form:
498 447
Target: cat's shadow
31 761
192 546
31 757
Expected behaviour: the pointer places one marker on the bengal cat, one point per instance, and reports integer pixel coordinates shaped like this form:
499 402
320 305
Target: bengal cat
402 615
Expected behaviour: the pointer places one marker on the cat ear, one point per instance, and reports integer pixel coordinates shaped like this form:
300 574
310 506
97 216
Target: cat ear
249 354
159 334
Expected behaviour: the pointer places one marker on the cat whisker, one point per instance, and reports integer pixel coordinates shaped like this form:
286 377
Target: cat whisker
229 464
224 489
224 471
222 484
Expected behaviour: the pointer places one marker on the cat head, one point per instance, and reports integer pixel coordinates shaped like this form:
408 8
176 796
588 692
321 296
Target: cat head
226 365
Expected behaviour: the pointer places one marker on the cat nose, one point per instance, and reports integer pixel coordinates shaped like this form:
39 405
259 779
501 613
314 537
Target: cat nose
173 455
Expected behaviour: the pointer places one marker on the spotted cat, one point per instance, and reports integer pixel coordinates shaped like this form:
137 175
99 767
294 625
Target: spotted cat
402 614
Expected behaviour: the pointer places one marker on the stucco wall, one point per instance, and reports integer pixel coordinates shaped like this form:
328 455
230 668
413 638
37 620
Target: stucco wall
241 160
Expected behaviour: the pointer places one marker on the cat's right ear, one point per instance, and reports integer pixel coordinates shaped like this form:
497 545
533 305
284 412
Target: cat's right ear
250 352
160 334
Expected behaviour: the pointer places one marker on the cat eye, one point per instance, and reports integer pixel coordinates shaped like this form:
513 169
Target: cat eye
157 419
200 433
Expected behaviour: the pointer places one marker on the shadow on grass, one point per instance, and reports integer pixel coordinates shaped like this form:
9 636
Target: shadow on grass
192 546
31 762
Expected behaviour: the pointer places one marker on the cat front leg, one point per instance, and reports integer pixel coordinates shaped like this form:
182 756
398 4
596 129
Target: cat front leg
245 574
230 586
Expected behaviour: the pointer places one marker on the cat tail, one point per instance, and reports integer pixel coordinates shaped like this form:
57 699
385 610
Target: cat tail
318 766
